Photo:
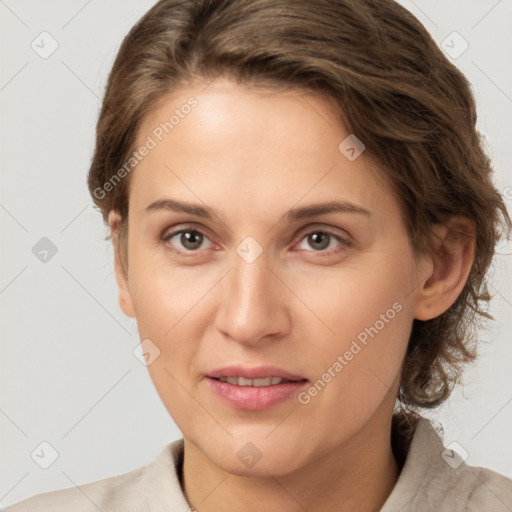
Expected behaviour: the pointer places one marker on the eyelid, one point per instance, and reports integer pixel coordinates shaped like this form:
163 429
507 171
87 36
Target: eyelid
313 228
172 232
301 234
344 240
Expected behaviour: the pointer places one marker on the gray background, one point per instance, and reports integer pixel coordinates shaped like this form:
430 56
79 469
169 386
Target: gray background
68 373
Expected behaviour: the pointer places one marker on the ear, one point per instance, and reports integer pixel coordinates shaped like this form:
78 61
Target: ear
450 264
125 297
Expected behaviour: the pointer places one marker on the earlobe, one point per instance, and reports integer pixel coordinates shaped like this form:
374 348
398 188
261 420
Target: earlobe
124 293
451 262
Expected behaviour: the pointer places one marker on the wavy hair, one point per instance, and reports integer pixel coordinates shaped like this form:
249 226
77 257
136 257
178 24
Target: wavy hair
396 90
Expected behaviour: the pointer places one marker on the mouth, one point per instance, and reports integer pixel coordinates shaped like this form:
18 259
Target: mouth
257 383
254 389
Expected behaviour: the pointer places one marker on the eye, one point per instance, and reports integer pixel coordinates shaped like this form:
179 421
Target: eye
187 240
319 240
191 240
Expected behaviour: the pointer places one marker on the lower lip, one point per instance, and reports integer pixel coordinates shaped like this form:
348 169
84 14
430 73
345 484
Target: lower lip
253 398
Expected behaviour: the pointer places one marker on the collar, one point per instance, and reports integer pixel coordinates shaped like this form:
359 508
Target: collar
164 494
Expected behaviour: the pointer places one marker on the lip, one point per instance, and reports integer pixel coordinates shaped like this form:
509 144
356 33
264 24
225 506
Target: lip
252 398
257 372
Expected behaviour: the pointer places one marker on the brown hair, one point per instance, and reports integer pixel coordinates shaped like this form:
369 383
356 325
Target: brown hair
396 91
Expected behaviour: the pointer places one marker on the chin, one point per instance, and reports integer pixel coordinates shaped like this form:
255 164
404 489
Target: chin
260 457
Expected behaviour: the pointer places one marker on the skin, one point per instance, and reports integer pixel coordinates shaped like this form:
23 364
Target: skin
251 155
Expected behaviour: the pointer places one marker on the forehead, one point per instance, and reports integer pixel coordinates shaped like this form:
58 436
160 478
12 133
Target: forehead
228 110
223 138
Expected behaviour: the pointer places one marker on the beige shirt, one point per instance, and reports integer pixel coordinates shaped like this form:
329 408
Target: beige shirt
432 479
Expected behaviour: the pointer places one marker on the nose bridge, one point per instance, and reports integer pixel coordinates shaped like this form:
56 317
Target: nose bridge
250 306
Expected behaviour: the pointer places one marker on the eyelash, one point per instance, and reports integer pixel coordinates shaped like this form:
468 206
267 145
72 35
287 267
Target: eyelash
191 229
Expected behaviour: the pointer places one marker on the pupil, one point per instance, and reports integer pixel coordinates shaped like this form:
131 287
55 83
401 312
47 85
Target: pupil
320 238
191 239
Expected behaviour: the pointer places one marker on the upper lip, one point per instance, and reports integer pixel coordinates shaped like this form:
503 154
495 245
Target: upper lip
256 372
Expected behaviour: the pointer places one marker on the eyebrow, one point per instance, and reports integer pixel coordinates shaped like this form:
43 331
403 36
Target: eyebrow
292 215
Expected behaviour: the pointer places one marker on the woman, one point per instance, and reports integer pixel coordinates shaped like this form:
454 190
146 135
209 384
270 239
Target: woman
303 218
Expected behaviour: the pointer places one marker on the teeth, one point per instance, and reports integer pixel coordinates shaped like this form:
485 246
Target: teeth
242 381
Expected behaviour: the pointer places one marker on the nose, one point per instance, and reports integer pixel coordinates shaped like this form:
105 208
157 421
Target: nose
253 303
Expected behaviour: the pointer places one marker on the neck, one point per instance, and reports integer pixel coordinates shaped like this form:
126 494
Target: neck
359 475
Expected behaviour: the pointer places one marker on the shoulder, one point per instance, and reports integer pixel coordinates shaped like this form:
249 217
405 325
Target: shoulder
129 492
461 485
485 489
435 477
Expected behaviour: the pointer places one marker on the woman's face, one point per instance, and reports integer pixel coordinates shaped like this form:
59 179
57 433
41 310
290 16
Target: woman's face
285 261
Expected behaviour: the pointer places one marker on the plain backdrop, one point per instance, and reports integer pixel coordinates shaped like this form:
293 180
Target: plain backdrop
68 373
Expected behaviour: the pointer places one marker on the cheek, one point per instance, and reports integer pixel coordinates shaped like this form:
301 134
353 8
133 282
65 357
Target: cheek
366 316
162 294
350 299
169 305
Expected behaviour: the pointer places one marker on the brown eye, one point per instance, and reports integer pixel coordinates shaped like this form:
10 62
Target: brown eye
187 240
320 240
191 239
